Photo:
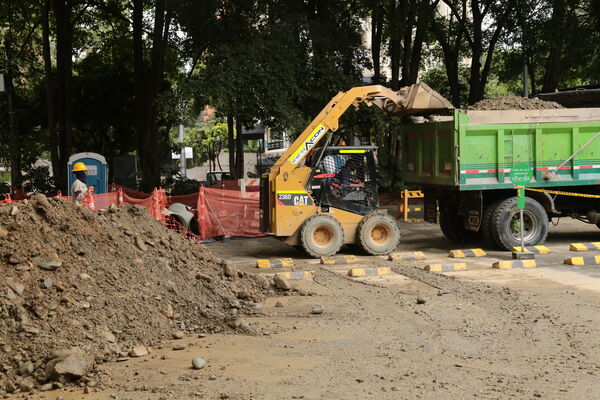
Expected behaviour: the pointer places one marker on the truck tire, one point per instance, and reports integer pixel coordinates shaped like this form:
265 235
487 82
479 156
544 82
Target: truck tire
378 233
453 225
505 223
321 236
486 224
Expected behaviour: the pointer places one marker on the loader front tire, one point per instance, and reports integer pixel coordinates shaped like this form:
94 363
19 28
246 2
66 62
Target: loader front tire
321 236
378 234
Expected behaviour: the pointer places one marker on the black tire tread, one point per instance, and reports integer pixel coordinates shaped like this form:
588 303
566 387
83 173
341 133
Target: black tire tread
496 229
307 249
360 229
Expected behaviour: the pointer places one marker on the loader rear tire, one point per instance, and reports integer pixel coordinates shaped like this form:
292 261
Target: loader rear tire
321 236
378 234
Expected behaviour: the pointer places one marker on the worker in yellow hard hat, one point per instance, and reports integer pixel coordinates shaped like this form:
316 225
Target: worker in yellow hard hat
79 187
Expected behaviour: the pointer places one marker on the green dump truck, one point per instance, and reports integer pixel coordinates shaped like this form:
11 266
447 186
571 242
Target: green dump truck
462 164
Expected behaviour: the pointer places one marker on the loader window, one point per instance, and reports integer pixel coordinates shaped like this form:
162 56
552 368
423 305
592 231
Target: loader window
346 179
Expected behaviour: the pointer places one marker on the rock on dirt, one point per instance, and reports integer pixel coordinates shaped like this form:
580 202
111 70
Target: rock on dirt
198 363
74 363
421 300
281 283
120 303
514 103
317 309
139 351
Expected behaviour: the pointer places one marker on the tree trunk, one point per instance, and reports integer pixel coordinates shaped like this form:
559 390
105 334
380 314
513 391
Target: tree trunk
552 74
64 103
376 33
407 39
395 44
15 153
475 93
239 149
58 170
231 146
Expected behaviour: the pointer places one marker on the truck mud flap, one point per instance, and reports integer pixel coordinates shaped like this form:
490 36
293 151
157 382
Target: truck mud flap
430 206
472 203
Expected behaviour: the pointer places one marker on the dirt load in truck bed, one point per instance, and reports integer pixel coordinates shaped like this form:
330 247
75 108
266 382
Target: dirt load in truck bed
80 287
513 103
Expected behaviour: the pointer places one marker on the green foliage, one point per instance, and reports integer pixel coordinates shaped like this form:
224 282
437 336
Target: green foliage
437 79
38 180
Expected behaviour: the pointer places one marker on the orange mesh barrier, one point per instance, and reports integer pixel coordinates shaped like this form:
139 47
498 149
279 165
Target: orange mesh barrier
228 212
190 200
113 187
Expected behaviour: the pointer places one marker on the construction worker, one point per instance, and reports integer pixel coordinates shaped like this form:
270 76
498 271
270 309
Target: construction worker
79 187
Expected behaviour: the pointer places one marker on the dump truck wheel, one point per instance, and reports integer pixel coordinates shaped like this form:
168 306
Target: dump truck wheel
453 225
486 224
378 234
321 235
506 223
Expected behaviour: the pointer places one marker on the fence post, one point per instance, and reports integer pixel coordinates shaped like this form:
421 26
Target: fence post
120 200
202 213
405 204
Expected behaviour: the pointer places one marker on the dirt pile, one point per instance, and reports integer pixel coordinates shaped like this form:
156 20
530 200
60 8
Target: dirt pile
514 103
80 287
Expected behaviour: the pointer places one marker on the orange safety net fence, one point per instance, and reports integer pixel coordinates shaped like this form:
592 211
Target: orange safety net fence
220 212
228 212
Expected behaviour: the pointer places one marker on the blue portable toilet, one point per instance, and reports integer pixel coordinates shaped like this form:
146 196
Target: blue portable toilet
97 175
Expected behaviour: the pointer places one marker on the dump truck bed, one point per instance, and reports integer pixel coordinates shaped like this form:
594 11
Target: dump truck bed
475 150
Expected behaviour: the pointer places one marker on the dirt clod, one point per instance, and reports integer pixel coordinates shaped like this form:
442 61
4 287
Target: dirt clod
514 103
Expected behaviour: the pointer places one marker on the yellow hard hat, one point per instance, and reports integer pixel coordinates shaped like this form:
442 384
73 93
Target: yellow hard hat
79 166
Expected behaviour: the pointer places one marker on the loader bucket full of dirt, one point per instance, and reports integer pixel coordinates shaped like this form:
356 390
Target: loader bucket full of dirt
417 99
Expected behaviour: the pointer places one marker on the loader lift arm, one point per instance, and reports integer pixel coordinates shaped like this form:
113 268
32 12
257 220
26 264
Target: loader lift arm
418 99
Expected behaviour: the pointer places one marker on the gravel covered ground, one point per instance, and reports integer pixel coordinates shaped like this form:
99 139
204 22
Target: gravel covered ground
482 333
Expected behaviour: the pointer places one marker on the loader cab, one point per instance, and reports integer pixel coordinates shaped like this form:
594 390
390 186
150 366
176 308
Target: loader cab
344 177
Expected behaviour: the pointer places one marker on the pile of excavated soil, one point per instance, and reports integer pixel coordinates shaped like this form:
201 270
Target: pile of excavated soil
81 287
514 103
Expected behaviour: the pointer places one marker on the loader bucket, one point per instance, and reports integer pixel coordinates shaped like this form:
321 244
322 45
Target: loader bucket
417 99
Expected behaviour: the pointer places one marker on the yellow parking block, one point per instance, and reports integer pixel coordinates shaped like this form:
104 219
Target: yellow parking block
533 249
357 272
407 256
515 264
592 260
296 275
275 263
467 253
339 260
446 267
584 246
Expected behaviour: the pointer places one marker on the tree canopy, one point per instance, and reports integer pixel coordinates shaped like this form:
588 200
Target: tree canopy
117 76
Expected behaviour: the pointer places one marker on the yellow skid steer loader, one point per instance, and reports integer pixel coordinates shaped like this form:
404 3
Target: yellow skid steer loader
324 197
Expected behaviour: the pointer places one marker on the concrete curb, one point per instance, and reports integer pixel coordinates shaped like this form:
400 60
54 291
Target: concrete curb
406 256
296 275
584 246
339 260
591 260
467 253
357 272
533 249
446 267
275 263
514 264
